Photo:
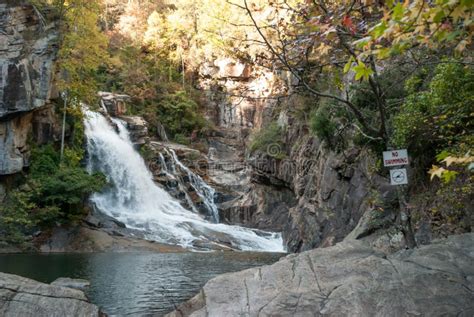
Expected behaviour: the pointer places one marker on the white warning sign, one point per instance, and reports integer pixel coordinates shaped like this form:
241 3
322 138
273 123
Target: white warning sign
398 176
395 157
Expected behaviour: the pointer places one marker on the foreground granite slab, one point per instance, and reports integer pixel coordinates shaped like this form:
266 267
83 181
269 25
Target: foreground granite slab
348 279
23 297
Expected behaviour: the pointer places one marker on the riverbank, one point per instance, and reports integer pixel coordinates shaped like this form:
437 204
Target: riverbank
348 279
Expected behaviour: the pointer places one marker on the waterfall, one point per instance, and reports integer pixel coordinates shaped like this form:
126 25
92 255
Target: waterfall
204 191
134 199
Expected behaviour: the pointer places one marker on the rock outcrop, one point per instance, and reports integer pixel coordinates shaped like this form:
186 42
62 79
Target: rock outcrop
137 128
28 47
114 104
23 297
348 279
236 93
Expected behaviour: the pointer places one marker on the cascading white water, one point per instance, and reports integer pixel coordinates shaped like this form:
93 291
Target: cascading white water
134 199
170 174
204 191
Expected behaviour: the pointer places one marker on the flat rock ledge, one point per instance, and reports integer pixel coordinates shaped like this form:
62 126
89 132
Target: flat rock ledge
23 297
348 279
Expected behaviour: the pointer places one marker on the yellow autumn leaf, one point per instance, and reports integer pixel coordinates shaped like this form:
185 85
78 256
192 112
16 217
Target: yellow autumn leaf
436 171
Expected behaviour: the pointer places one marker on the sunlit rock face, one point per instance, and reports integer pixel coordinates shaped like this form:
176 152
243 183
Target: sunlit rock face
314 195
235 92
28 47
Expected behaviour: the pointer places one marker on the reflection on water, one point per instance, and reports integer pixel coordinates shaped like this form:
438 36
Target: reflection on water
135 284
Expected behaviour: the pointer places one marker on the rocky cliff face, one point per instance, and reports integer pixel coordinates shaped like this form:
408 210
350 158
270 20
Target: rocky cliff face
28 47
331 190
314 195
348 279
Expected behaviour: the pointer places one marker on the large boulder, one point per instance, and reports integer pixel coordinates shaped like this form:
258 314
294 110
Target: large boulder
114 104
348 279
23 297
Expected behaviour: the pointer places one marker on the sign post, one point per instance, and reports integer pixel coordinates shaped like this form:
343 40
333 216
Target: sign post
391 158
399 177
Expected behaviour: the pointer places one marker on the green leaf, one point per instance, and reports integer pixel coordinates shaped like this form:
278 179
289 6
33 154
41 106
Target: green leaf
378 30
362 71
448 176
348 65
398 10
442 155
362 42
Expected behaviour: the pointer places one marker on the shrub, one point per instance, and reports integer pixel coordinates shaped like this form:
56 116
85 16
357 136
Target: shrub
439 118
181 138
178 113
53 193
269 140
322 125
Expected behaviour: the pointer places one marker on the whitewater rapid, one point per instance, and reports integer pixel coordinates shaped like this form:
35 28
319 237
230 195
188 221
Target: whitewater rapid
134 199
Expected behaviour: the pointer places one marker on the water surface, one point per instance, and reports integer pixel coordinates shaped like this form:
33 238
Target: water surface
135 284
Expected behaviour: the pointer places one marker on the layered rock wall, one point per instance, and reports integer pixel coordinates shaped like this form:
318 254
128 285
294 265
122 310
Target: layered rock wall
28 47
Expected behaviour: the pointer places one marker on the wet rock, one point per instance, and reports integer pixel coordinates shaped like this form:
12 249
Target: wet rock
137 127
348 279
22 297
87 239
261 207
74 283
98 219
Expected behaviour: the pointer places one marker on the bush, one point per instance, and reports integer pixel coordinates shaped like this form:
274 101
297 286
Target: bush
178 113
439 118
322 125
53 193
181 138
269 140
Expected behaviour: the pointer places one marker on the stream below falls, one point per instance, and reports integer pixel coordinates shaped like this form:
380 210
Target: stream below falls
135 284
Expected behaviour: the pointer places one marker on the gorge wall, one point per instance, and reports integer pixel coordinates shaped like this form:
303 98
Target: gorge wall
28 48
314 195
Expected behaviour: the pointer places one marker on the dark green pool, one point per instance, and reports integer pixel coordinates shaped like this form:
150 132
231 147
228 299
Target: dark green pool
135 284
